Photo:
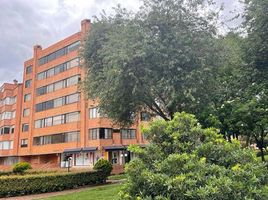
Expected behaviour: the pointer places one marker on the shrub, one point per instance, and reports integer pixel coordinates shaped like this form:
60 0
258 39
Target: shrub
21 167
103 165
39 183
184 161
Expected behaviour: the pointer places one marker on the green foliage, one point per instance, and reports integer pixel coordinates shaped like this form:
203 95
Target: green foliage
104 166
40 183
21 167
162 59
185 161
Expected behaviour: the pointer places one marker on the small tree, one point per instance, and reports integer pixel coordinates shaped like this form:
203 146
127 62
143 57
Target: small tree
185 161
21 167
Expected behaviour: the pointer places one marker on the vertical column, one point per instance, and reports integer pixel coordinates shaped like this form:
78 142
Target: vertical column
37 52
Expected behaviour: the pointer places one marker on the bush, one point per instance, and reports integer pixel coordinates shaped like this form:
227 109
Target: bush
103 165
21 167
184 161
32 184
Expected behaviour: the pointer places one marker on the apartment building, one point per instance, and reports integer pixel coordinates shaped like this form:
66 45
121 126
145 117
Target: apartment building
51 119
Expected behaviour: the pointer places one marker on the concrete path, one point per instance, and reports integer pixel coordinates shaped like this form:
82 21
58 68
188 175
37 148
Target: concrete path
50 194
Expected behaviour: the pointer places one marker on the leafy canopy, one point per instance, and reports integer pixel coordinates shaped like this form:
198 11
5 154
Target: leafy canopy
160 59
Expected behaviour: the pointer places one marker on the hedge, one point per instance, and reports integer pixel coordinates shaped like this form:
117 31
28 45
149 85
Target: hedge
40 183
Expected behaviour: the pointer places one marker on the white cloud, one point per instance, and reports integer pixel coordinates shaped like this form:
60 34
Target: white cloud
44 22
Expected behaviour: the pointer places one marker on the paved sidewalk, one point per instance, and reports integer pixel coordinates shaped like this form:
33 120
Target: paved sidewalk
50 194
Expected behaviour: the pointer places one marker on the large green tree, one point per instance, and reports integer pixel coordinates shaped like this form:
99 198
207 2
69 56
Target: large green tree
184 161
161 59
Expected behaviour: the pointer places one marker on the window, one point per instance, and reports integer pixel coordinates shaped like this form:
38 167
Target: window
57 120
6 130
50 72
50 88
94 113
100 133
7 115
9 100
58 85
145 116
73 46
59 53
48 122
73 136
28 83
25 127
72 80
12 129
72 98
41 75
41 90
27 97
59 102
38 123
128 133
26 112
73 63
13 114
60 68
6 145
72 117
29 69
24 143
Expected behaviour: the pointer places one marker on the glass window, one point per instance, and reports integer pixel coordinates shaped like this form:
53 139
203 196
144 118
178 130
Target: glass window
39 107
26 112
46 139
28 83
12 129
37 141
48 105
50 72
24 143
72 80
48 122
6 130
73 63
7 115
128 133
94 134
38 123
72 117
59 102
50 88
57 120
41 76
57 138
74 46
41 90
27 97
6 145
58 85
94 113
72 98
25 127
29 69
60 68
72 136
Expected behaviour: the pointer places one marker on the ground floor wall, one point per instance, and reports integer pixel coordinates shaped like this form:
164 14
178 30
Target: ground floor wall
75 159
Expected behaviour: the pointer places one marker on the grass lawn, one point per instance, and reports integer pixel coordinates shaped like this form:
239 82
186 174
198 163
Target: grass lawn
117 177
107 192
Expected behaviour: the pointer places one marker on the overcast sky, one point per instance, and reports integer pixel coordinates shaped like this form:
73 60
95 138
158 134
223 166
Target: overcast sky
24 23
